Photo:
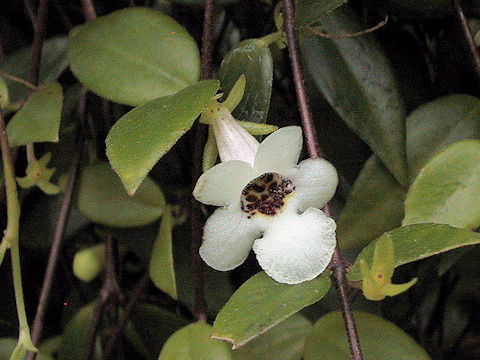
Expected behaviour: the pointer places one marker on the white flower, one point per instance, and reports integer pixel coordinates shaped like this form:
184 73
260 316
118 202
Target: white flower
270 204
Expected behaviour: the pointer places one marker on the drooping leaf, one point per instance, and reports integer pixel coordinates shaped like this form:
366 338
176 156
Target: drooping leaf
102 199
75 335
155 325
437 124
309 11
416 242
356 78
380 339
448 188
142 136
161 268
283 342
261 303
39 119
133 55
193 342
251 58
53 63
374 194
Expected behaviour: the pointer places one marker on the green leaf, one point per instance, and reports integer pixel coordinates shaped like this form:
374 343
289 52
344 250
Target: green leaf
433 126
283 342
89 262
309 11
142 136
416 242
161 268
261 303
374 194
133 55
380 339
76 333
193 342
447 189
4 97
8 344
102 199
39 119
356 78
155 325
54 62
251 58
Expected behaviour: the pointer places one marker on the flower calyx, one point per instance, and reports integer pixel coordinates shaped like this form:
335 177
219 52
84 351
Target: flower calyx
37 173
377 280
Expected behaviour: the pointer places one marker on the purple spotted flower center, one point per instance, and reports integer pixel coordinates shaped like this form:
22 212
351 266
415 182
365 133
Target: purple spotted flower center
266 194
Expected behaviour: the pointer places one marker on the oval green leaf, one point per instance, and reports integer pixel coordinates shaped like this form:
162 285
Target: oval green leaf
253 59
142 136
193 342
133 55
416 242
39 119
102 199
261 303
309 11
437 124
283 342
448 188
374 194
380 339
161 267
4 97
54 62
75 334
356 78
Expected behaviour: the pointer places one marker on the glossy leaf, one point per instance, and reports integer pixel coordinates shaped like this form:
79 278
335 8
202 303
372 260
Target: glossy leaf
251 58
39 119
102 199
283 342
374 194
448 188
193 342
155 325
133 55
261 303
380 339
416 242
54 62
356 78
309 11
75 334
437 124
142 136
161 268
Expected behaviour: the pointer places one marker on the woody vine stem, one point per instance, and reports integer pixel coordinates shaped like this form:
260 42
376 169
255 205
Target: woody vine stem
314 152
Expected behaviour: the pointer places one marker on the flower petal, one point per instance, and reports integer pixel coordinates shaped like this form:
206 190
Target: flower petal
315 182
222 185
297 248
227 239
280 150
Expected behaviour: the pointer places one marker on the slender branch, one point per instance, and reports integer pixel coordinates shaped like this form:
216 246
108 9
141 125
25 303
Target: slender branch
200 306
349 35
59 231
314 152
63 14
88 10
37 44
17 79
468 35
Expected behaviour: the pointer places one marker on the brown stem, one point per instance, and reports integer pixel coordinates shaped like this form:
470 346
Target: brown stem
59 231
88 10
468 36
200 306
314 152
37 44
